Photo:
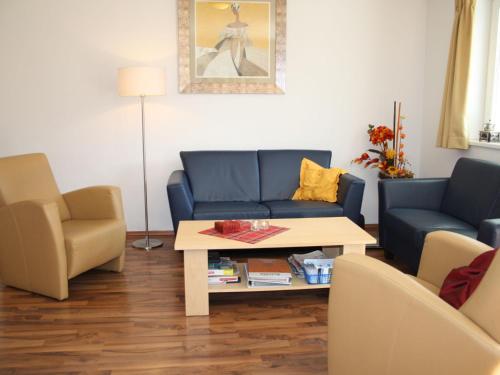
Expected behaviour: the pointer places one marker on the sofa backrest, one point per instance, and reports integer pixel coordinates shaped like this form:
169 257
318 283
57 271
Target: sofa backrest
27 177
222 176
280 171
473 193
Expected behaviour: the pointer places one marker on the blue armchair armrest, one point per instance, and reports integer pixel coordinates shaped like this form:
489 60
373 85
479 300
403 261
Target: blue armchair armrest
180 198
489 232
421 193
350 197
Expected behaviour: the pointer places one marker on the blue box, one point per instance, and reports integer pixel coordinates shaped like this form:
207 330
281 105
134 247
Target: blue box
315 279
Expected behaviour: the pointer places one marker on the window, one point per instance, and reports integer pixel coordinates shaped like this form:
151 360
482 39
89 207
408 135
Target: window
492 107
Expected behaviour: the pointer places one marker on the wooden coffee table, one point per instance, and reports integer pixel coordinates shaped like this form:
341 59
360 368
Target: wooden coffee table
311 232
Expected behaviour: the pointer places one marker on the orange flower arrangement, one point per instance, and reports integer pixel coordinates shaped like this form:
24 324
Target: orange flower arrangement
391 161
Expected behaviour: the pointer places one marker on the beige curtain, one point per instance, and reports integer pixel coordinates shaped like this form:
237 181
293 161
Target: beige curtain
452 128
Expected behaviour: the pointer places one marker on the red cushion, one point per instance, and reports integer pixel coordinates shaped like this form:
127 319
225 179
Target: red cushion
462 282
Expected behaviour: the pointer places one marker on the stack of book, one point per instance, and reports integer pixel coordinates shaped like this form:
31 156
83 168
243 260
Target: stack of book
222 270
268 272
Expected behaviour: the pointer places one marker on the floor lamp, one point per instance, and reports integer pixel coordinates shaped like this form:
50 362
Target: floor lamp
142 82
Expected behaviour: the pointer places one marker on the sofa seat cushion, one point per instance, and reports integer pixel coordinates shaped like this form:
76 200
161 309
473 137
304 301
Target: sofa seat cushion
414 224
298 209
91 243
229 211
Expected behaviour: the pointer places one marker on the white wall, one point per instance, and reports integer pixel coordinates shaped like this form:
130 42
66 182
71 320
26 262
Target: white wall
347 62
437 161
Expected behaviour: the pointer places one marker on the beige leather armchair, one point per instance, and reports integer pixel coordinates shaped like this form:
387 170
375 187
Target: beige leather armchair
382 321
47 238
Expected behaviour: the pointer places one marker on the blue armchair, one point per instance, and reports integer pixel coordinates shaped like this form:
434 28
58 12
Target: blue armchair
218 185
467 203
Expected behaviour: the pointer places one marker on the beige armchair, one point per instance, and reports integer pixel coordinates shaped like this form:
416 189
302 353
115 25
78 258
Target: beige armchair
382 321
47 238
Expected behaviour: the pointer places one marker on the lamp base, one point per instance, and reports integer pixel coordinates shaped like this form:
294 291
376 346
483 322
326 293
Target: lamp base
147 244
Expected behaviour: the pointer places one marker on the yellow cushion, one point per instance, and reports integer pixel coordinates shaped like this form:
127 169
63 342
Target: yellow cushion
318 183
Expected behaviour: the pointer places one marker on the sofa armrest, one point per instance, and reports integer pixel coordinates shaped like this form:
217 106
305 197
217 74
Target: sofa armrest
396 326
489 232
96 202
350 197
444 251
422 193
32 251
180 198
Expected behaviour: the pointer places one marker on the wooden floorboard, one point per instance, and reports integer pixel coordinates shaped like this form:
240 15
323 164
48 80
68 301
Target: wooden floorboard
134 323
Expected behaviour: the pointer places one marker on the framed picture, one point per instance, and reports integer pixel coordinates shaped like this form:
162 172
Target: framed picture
232 47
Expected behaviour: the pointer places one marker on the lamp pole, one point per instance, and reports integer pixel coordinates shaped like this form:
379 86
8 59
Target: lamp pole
142 81
146 243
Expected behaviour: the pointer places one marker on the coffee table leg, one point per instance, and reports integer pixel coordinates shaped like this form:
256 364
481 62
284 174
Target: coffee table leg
354 249
196 282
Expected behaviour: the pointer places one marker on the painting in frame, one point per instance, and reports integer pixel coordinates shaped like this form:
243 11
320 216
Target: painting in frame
232 47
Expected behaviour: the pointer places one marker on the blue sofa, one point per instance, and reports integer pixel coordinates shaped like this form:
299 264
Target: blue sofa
218 185
467 203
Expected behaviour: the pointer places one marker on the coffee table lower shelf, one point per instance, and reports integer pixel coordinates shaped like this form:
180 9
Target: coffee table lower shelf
241 287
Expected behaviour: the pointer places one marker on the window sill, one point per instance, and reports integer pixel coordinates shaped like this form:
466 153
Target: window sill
476 143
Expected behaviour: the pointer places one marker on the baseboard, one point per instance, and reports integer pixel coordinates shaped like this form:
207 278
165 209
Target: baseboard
152 233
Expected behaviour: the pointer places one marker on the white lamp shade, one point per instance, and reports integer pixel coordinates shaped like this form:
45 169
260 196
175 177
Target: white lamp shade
141 81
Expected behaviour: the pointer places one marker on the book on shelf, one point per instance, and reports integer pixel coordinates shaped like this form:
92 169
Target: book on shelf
263 281
222 270
281 280
268 268
220 266
216 261
222 280
214 257
259 284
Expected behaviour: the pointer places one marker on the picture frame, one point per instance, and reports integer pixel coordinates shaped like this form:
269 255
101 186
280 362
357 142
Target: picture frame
232 47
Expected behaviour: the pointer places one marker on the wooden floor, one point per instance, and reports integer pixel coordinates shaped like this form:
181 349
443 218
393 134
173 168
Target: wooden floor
134 323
